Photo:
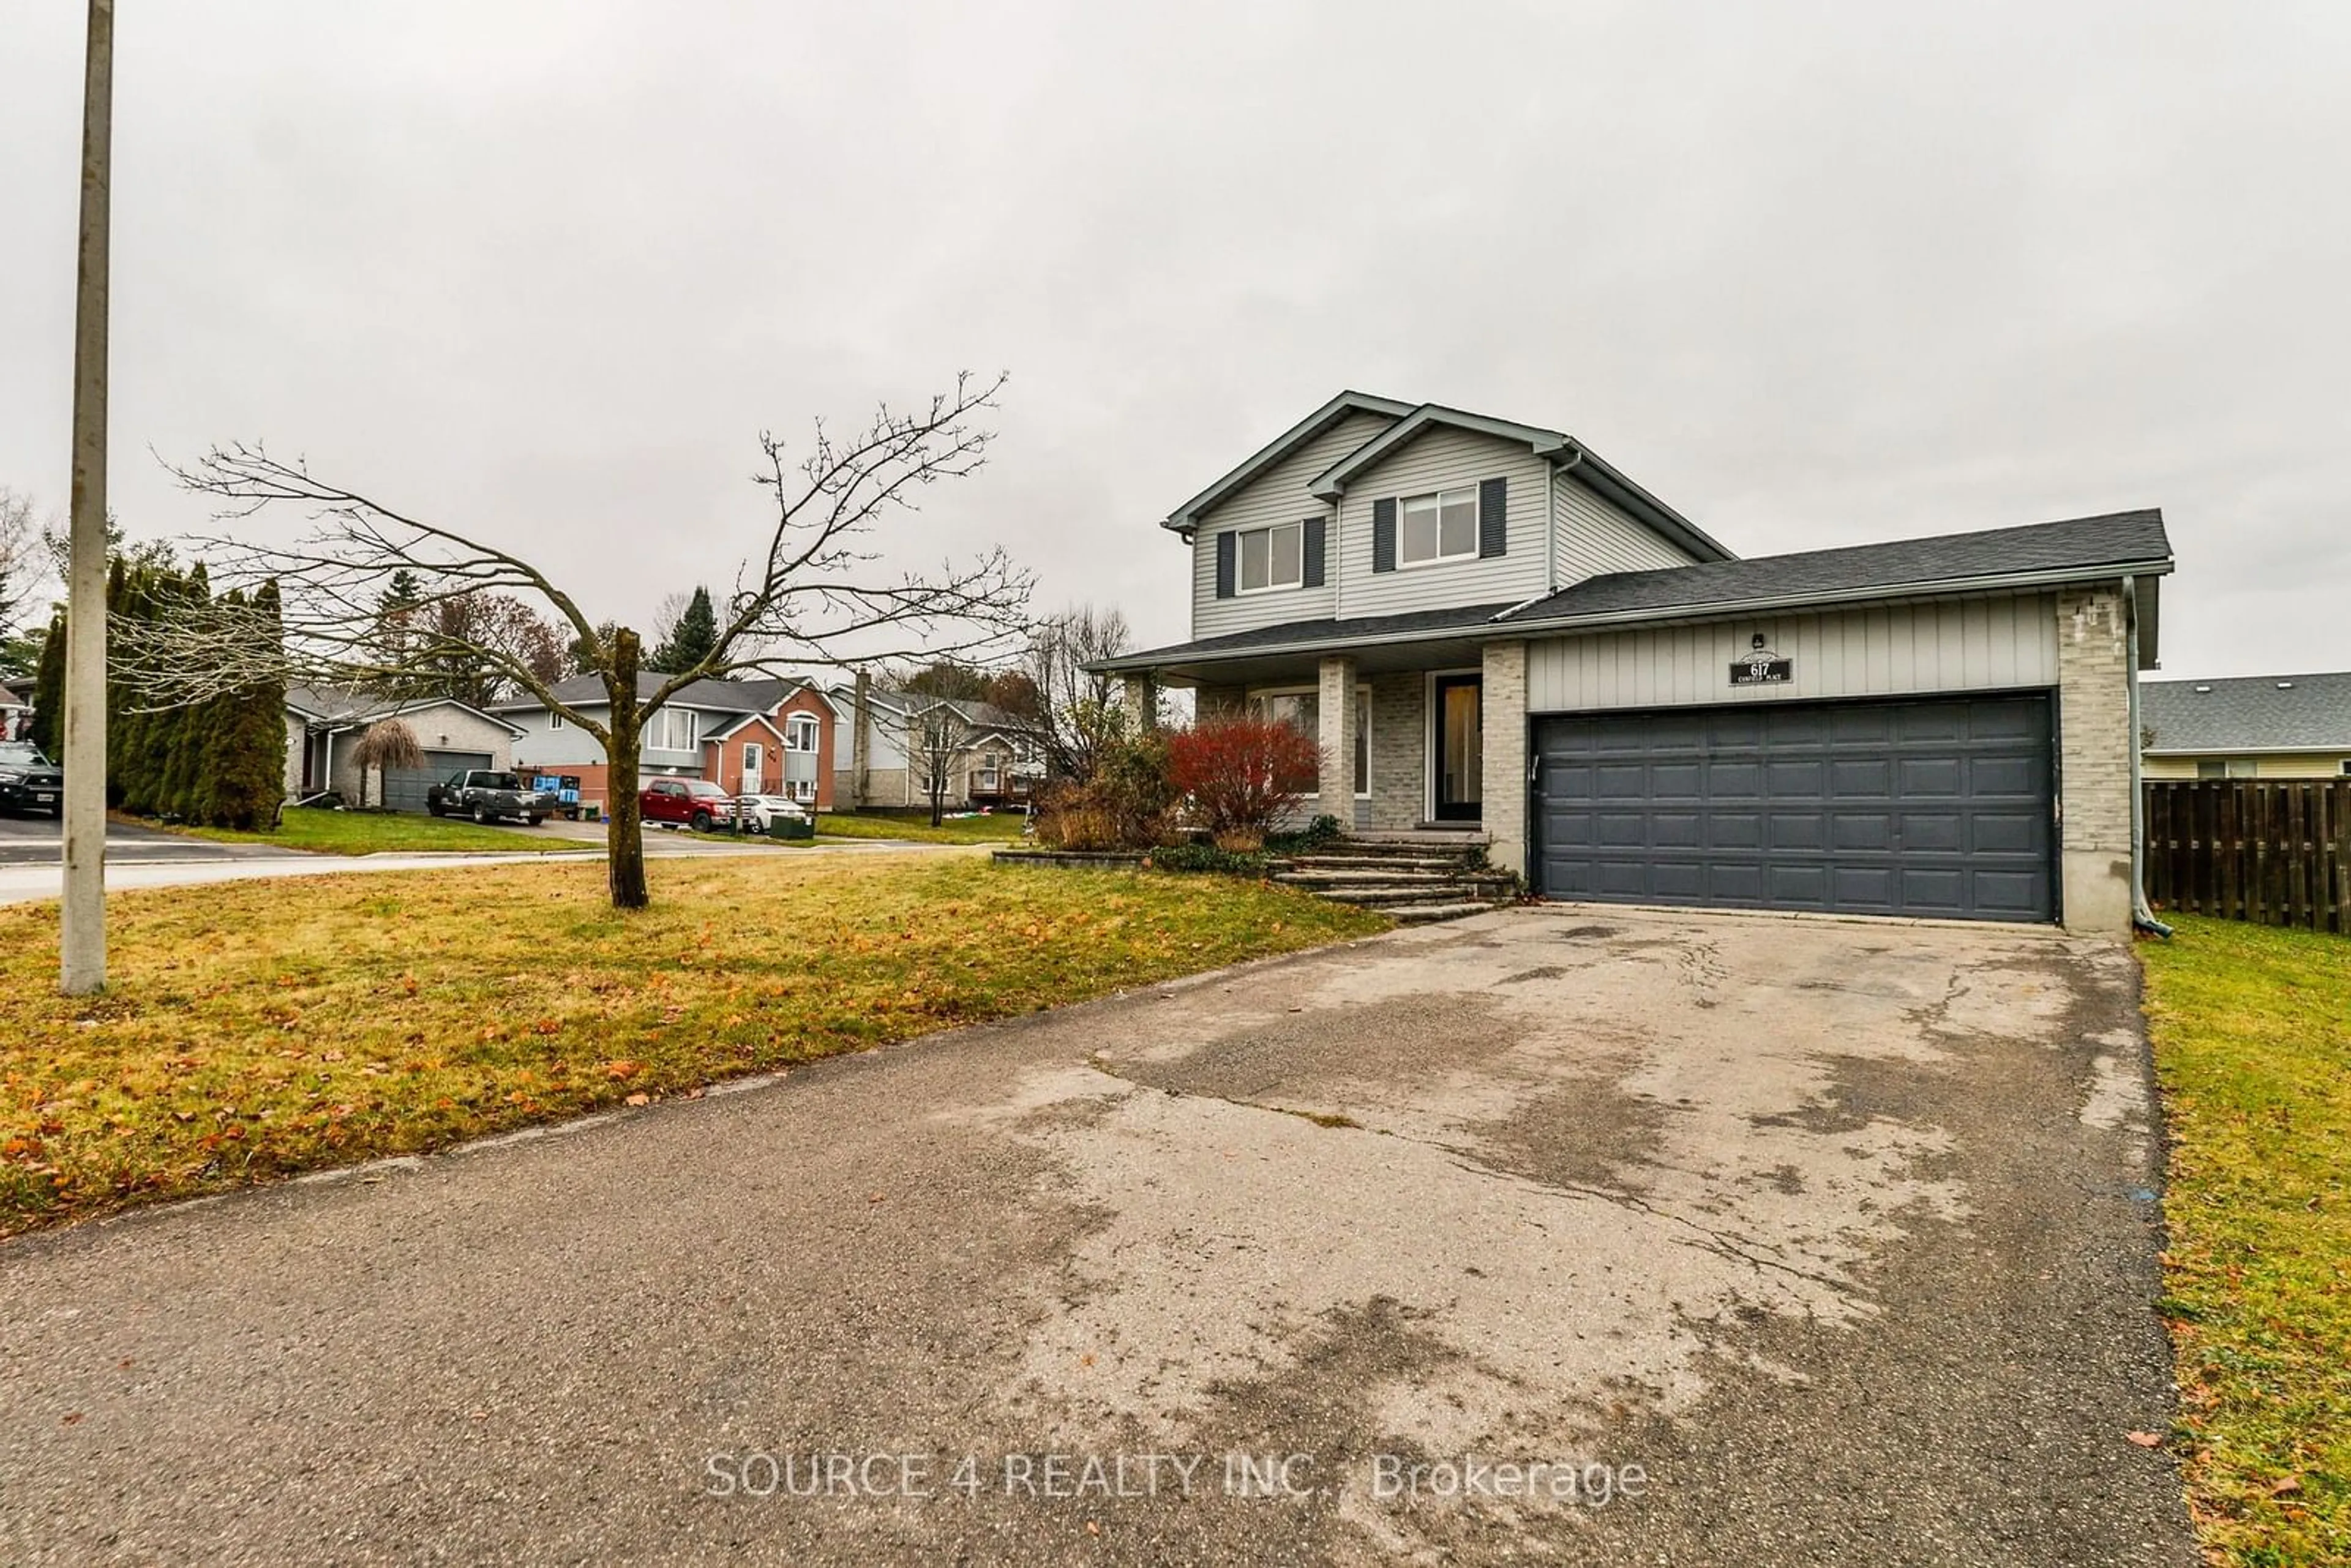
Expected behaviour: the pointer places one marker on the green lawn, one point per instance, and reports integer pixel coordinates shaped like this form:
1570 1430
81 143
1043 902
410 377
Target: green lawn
2253 1043
999 828
254 1029
376 833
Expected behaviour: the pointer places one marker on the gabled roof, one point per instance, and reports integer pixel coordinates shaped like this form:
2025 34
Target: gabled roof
1552 446
349 709
1187 515
2078 549
741 723
978 715
2248 713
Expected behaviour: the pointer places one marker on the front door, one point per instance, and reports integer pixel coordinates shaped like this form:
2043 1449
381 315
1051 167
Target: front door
1459 748
755 757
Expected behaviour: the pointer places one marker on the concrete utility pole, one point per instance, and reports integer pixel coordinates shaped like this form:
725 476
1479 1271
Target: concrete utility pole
82 960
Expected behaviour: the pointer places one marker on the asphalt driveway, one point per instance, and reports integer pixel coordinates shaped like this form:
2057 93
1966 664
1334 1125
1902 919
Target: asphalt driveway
1803 1241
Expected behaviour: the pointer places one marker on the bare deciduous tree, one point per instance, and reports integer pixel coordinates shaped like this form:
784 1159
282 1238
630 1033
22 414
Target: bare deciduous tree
1076 708
936 734
812 594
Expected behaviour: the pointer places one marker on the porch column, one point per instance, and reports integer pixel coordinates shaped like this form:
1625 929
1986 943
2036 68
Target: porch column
1336 706
1502 780
1138 696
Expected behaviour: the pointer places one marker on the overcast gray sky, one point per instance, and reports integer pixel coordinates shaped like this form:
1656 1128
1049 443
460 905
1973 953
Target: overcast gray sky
1817 274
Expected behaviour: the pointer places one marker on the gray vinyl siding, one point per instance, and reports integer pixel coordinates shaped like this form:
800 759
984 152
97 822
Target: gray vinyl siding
543 745
1442 459
1594 537
1961 645
1280 494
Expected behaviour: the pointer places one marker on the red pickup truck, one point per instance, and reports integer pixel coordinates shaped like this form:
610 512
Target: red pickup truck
696 802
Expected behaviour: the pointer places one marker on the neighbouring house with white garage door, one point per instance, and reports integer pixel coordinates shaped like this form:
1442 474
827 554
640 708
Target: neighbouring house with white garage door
1491 631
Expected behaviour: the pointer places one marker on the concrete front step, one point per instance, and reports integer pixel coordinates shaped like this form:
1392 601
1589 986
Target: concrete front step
1398 897
1426 914
1313 880
1377 862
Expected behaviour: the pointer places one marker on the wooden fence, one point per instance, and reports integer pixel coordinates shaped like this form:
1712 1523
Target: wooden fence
2276 854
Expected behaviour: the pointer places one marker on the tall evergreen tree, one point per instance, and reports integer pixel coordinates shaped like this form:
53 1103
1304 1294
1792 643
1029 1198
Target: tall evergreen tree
49 690
693 638
243 780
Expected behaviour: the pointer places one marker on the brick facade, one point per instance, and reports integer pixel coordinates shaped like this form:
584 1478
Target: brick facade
2094 745
1503 783
1335 706
1400 750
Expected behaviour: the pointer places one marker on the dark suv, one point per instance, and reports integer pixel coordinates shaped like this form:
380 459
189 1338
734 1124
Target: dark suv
30 781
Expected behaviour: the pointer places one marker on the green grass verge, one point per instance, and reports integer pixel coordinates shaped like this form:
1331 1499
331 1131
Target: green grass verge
254 1029
914 827
2251 1028
378 832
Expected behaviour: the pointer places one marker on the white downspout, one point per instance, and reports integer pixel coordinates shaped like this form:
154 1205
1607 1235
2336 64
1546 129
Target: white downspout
2142 918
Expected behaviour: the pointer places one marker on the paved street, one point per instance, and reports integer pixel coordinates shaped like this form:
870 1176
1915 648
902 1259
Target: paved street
37 842
146 857
1805 1241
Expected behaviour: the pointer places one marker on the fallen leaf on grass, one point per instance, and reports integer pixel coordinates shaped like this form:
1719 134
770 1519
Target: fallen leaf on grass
640 1098
2285 1486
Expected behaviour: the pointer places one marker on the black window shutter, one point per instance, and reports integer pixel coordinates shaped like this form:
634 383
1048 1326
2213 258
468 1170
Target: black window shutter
1383 534
1310 553
1225 547
1493 506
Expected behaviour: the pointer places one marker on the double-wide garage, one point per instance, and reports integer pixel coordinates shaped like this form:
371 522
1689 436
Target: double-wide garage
1942 806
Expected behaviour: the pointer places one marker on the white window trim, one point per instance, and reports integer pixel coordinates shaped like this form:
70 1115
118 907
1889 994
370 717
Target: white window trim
1362 698
554 719
1440 559
665 718
1268 530
795 724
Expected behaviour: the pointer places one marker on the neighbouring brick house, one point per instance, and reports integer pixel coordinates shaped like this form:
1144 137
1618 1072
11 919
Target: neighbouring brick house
764 737
1495 634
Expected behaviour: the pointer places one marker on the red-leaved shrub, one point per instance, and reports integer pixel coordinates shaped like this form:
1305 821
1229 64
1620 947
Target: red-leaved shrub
1242 774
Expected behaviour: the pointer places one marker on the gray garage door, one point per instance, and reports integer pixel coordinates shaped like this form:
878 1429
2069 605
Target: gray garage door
403 788
1935 807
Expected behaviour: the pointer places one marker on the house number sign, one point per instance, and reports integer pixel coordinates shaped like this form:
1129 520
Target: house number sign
1762 667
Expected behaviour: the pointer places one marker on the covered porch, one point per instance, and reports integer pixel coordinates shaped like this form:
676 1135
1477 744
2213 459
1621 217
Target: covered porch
1414 745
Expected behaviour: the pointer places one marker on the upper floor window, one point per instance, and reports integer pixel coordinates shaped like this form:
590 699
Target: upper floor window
674 729
1437 528
799 732
554 720
1272 557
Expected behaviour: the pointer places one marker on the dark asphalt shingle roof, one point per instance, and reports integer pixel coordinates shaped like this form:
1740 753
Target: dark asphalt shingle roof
2248 713
1291 633
719 696
2089 546
2083 544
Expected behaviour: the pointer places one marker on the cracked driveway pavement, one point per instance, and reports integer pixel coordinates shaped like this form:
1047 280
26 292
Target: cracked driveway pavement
1832 1241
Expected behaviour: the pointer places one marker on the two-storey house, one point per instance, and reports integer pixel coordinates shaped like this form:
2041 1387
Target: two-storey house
985 757
1492 631
752 738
